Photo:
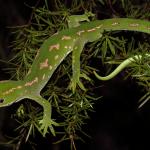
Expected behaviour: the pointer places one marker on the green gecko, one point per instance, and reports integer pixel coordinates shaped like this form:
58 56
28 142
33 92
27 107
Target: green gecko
49 56
124 64
75 20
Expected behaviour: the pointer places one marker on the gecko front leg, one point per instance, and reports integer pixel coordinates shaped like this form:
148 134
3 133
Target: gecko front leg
75 20
79 45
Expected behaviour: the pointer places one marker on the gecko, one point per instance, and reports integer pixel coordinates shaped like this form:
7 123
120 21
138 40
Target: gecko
50 55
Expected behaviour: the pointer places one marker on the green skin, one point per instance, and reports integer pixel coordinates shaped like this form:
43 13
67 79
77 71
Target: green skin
124 64
52 52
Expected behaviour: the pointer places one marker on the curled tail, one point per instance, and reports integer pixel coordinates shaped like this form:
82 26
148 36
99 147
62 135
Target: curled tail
124 64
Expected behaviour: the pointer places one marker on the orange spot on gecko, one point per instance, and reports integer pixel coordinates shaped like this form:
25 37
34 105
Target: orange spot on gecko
115 23
134 25
56 57
70 47
19 87
5 93
50 67
11 90
91 30
79 33
66 37
32 82
98 27
76 47
44 64
52 47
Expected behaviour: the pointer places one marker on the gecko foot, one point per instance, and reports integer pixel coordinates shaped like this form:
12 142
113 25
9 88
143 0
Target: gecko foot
76 81
47 123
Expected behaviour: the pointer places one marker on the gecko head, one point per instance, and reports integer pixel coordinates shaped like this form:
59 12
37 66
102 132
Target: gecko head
9 92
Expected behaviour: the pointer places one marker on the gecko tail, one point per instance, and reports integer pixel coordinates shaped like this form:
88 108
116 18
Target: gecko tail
124 64
110 76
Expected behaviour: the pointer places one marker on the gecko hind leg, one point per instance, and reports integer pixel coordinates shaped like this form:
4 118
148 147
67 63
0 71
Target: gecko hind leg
47 122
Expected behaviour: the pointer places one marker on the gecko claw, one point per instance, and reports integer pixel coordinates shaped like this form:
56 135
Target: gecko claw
76 81
47 123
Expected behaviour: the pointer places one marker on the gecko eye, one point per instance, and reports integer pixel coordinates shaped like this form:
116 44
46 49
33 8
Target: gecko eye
1 100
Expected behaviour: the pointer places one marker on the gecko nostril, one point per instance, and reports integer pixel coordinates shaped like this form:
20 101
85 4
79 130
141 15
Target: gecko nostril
1 100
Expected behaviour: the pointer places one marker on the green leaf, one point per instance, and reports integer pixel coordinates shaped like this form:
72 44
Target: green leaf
111 47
